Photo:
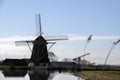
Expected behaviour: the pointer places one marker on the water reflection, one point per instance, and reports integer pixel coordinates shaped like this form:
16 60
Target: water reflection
36 75
39 74
14 73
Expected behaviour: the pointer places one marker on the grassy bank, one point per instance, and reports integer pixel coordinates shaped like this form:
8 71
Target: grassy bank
99 75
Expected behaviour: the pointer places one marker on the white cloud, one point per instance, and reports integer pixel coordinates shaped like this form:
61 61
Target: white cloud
70 36
61 50
16 38
11 51
78 37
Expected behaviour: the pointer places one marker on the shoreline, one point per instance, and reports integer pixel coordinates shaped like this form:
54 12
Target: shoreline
99 75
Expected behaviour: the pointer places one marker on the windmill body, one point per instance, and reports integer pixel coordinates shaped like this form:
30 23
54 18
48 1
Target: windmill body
39 53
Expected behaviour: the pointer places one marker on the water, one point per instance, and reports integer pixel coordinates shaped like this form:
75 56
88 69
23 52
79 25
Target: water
36 75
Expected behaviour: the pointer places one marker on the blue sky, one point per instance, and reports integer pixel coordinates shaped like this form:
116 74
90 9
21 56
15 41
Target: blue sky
69 17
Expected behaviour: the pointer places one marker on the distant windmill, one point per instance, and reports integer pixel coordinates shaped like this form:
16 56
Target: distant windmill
39 52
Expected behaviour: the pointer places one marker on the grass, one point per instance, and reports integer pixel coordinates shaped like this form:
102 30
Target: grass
4 67
99 75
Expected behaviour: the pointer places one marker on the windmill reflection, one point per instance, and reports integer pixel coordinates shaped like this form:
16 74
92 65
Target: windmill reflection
14 73
32 74
39 74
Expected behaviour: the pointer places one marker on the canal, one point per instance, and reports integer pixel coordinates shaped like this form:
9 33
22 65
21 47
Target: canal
37 75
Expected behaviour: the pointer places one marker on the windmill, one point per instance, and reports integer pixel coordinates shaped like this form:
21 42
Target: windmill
39 51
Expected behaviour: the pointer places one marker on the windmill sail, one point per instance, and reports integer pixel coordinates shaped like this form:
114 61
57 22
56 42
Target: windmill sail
38 25
47 38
